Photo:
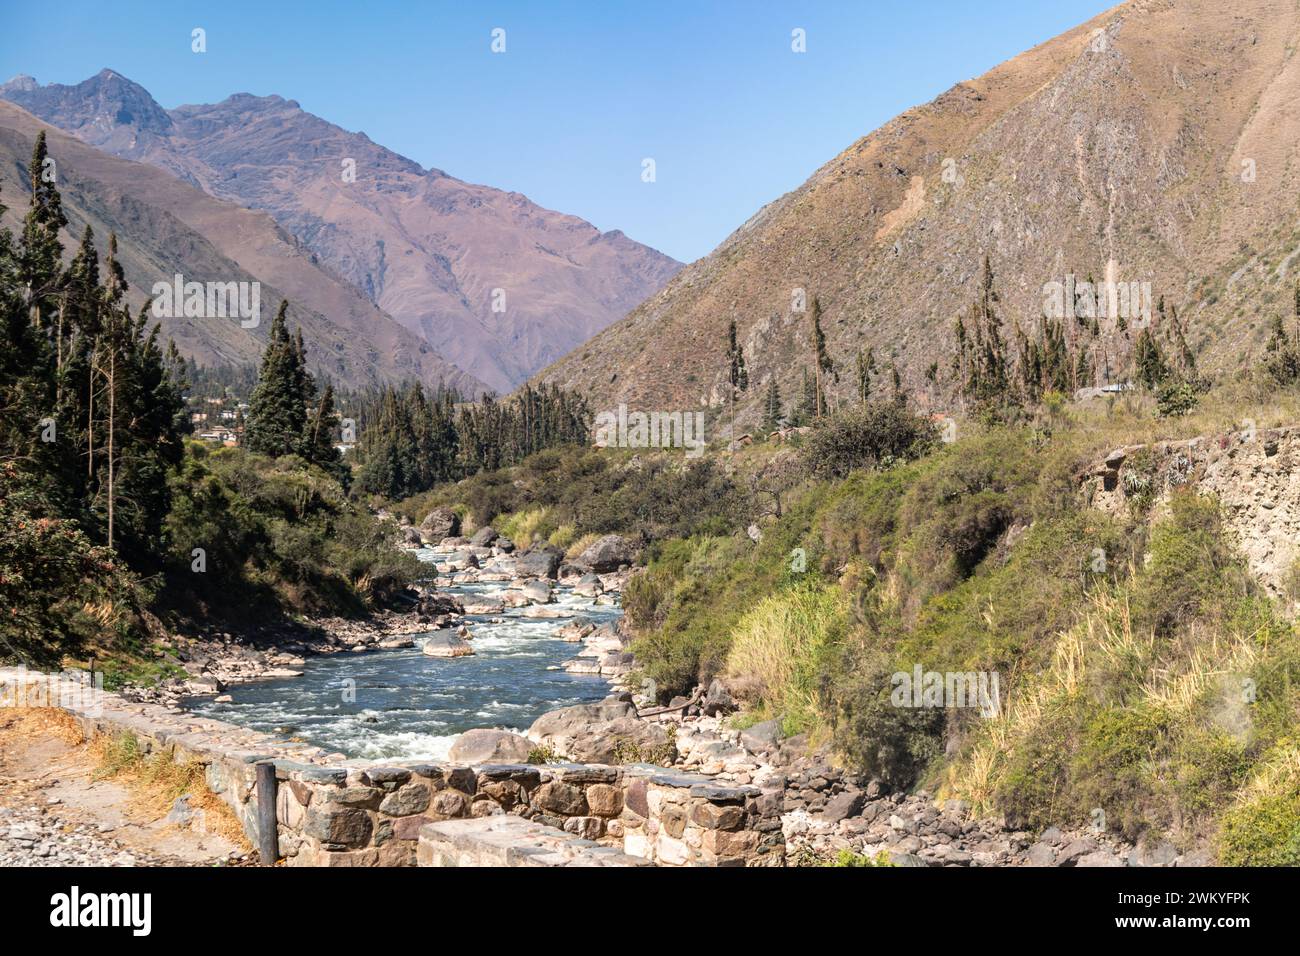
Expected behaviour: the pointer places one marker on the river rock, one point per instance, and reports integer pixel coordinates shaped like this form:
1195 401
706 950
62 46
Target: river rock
717 700
557 727
483 537
436 604
625 740
538 562
539 592
588 586
477 747
763 737
460 560
446 644
609 553
575 630
438 524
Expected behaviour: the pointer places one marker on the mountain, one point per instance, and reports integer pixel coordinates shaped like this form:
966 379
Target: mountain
166 227
427 248
1157 143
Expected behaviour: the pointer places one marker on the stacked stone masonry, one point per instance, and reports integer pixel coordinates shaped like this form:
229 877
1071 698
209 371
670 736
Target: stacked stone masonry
366 813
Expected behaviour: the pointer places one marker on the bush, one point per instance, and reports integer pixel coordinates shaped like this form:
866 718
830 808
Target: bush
1175 398
873 435
1263 827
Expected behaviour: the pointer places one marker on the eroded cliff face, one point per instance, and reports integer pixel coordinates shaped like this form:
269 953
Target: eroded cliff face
1254 474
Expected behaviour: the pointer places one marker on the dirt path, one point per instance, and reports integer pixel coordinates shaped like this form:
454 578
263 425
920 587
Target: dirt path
53 812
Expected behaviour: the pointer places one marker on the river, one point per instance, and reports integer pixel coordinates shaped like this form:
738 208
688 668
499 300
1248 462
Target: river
403 704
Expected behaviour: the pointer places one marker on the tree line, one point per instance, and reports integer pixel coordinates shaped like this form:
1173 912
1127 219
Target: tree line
408 440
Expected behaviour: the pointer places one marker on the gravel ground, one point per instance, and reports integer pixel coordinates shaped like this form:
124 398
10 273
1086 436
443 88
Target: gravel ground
31 837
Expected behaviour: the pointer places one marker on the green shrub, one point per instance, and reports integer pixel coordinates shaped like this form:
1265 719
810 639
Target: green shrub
866 436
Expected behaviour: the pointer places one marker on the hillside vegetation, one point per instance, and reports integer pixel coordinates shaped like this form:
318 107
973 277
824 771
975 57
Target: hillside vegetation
1142 672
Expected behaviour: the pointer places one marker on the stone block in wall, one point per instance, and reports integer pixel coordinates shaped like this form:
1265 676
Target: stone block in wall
589 828
336 824
406 800
448 805
670 851
386 778
408 828
506 793
485 808
560 798
635 799
525 776
349 858
509 840
638 843
367 798
723 843
604 800
578 775
714 817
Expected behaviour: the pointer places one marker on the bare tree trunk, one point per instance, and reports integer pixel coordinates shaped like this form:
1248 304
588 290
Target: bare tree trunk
58 359
112 411
90 416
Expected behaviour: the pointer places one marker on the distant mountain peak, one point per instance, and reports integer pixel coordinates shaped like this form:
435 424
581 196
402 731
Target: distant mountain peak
22 83
442 256
106 110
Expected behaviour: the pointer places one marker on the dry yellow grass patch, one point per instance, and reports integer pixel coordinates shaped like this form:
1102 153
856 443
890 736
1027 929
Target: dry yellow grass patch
17 722
156 780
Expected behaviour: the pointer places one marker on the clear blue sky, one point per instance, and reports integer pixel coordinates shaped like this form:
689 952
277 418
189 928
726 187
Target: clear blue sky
710 90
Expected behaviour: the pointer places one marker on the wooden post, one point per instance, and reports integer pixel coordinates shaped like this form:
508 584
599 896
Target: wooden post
268 837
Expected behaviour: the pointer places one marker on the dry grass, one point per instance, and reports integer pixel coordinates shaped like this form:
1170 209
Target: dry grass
1103 642
19 722
156 780
582 544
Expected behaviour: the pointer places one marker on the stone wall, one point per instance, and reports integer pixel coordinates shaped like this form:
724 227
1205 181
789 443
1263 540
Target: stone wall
677 819
1254 474
370 813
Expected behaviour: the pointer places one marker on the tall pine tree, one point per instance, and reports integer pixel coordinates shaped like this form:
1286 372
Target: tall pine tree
277 410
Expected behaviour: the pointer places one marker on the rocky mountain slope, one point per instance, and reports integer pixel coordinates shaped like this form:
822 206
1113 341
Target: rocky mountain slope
427 248
165 227
1155 144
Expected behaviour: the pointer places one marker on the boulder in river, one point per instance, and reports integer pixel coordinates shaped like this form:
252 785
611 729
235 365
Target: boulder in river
484 536
478 747
609 553
446 644
538 562
460 560
539 592
575 630
589 586
438 524
433 605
